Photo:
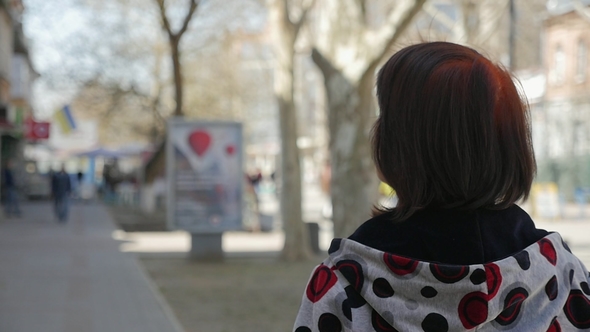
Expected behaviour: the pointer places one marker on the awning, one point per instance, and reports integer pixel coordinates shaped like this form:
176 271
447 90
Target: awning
100 152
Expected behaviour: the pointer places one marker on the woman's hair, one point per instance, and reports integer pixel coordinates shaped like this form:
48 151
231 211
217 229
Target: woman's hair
452 133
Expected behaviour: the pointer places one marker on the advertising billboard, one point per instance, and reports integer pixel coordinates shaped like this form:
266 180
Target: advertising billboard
204 175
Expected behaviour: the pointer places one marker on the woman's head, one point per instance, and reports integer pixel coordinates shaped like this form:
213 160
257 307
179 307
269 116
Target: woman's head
452 132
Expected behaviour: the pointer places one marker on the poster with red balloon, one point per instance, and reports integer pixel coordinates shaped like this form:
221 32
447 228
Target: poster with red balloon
204 175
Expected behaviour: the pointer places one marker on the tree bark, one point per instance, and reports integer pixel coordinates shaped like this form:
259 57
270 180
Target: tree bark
352 112
178 82
296 245
174 39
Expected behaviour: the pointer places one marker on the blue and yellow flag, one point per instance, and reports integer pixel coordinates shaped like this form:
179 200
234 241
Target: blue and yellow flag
64 119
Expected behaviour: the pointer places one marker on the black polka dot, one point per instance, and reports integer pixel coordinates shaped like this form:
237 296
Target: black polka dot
382 288
353 272
478 276
577 309
435 323
354 298
523 259
449 274
303 329
428 292
551 288
334 246
585 288
347 310
512 306
329 323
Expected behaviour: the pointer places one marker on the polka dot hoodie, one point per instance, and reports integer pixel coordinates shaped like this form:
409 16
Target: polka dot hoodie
357 288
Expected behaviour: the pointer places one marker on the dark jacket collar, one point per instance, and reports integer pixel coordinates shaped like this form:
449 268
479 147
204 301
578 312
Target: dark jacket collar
451 236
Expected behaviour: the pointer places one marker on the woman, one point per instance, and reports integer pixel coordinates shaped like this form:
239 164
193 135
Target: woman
456 253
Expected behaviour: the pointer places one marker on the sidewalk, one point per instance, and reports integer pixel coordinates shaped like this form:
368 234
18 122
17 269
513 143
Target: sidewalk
72 277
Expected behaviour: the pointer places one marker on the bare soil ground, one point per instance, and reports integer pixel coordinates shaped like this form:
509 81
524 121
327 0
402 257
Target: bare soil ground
239 294
249 292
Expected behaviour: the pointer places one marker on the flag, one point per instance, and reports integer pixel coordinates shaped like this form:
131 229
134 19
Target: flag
64 119
36 130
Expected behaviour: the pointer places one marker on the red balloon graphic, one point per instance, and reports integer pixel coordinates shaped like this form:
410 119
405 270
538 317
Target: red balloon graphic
199 140
230 149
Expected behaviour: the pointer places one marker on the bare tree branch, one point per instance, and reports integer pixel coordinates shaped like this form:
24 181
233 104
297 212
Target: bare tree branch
363 8
166 23
164 18
323 64
290 25
301 21
439 16
396 24
492 16
286 17
174 39
192 8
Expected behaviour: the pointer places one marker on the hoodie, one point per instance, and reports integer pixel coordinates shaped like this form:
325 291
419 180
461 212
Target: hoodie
542 287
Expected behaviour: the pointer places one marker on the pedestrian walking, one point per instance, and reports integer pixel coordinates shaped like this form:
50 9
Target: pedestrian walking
79 184
61 188
12 206
456 253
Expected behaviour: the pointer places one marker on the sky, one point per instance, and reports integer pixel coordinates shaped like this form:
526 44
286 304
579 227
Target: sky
47 25
73 40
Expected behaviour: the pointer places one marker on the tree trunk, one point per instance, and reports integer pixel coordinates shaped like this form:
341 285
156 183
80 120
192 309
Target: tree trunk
351 115
352 53
174 43
296 236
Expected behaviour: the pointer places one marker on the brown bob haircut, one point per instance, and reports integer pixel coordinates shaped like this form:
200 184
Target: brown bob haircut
453 132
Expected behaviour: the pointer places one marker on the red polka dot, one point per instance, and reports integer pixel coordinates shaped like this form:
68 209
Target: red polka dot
493 279
322 280
473 309
448 273
548 251
554 327
400 265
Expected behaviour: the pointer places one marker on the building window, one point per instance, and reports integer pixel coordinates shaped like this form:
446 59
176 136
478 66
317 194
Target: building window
558 74
582 58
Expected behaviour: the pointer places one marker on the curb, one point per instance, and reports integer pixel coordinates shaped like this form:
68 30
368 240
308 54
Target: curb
159 297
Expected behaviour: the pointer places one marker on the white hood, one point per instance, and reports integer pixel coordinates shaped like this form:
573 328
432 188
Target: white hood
357 288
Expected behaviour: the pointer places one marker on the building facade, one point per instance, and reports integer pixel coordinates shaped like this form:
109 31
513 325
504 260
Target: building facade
6 50
561 120
16 78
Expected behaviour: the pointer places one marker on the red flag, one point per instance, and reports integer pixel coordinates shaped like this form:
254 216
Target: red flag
36 130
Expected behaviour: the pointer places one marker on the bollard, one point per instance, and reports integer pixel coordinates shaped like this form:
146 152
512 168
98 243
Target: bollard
314 236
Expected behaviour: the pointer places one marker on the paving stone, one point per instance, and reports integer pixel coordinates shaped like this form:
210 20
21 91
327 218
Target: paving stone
73 277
